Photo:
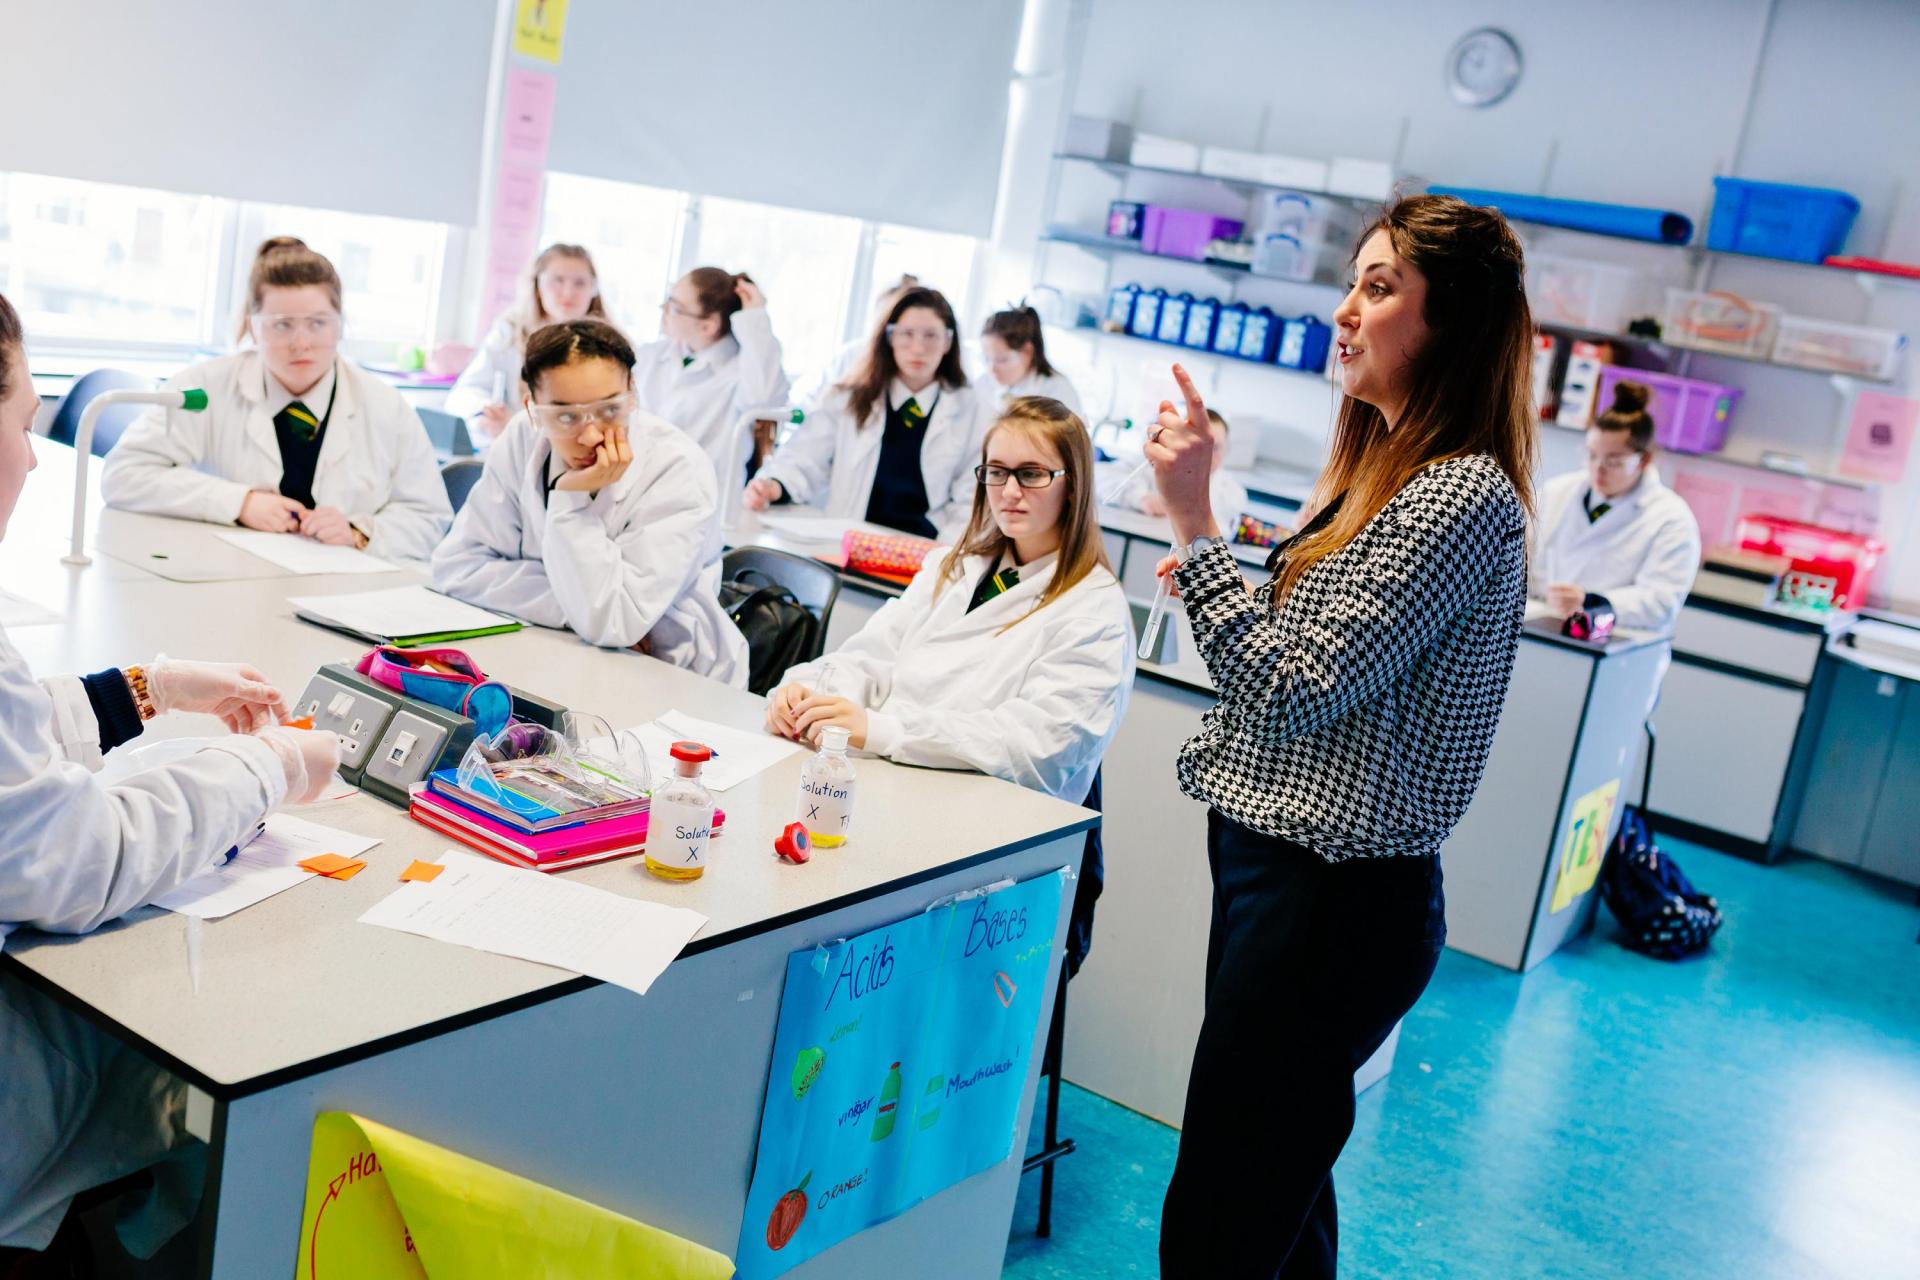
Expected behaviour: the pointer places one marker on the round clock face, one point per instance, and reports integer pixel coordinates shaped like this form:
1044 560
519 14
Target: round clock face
1483 67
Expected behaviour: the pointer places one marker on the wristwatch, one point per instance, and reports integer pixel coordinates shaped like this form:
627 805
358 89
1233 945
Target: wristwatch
1199 544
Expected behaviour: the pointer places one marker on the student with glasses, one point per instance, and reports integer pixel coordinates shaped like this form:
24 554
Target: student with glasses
715 360
1014 345
894 442
594 515
562 285
1011 652
1614 528
294 439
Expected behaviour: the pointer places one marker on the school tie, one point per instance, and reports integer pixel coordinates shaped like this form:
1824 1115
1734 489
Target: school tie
1594 513
685 361
912 414
993 585
298 421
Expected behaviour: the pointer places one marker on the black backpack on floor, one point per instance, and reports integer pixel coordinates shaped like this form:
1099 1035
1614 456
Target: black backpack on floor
1663 914
780 631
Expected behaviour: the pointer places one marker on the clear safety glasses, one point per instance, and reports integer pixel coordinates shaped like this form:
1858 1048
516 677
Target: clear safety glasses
572 419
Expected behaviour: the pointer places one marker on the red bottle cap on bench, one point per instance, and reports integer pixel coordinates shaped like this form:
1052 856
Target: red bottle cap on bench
794 844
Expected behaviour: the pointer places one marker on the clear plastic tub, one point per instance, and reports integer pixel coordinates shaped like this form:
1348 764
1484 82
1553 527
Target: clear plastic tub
1719 321
1838 348
1578 294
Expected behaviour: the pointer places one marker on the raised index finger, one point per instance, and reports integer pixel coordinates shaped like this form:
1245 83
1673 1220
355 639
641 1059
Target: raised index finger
1196 410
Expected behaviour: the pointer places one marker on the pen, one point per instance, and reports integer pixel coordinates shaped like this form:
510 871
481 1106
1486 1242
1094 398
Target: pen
258 831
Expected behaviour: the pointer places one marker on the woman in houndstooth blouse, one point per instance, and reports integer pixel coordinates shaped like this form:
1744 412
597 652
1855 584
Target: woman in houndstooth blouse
1358 694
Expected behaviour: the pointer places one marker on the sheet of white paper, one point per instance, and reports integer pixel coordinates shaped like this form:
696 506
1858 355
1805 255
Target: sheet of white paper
18 611
265 866
810 528
489 906
398 611
296 554
738 753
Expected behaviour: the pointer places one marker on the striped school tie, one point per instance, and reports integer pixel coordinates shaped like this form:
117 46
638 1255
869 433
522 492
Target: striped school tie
998 584
912 414
298 420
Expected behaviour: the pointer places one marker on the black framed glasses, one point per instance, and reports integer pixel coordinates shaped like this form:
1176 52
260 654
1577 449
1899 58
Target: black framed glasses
1026 477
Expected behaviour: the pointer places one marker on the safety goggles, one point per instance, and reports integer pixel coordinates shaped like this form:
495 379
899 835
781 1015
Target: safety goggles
572 419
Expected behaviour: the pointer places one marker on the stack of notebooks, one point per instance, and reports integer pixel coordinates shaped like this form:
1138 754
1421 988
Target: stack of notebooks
538 815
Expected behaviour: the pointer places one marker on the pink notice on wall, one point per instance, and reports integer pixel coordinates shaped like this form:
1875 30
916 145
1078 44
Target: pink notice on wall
1879 434
526 127
1711 498
1782 496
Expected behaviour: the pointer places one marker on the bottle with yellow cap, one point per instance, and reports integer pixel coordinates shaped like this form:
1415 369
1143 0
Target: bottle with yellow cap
680 817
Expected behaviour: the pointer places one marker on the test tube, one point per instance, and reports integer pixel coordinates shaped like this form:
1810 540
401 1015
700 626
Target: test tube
1157 615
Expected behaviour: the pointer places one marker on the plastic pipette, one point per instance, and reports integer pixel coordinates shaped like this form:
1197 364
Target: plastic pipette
1150 634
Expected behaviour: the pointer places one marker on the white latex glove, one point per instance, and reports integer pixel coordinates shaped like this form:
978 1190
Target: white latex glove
239 694
309 758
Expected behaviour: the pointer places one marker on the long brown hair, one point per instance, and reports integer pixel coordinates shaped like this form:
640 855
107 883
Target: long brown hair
12 339
1082 549
719 293
1472 381
285 262
528 313
869 380
1019 328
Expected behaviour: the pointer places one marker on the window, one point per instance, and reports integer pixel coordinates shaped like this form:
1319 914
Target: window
942 260
389 271
803 261
630 230
93 262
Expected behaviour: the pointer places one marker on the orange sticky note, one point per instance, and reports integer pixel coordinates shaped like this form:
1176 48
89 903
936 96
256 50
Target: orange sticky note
328 863
422 870
304 722
347 872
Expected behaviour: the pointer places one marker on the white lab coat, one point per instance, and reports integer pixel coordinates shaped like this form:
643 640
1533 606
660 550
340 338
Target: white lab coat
706 399
491 377
376 464
1226 496
1642 555
1054 385
830 461
77 1108
640 559
1035 704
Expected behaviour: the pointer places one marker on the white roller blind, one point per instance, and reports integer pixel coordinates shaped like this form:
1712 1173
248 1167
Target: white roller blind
886 109
344 104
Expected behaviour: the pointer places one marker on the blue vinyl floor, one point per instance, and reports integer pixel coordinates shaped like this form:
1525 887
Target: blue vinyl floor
1750 1113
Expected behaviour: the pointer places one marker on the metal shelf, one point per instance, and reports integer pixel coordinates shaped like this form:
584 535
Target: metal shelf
1817 477
1175 351
1097 243
1243 184
1842 381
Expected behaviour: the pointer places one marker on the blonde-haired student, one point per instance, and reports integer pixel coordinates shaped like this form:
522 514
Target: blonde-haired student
561 285
1011 653
294 439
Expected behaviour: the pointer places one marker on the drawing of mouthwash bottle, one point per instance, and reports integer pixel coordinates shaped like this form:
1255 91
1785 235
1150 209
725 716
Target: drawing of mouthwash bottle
889 1109
929 1103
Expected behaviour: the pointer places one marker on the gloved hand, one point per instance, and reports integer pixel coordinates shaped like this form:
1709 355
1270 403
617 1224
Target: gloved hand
239 694
308 756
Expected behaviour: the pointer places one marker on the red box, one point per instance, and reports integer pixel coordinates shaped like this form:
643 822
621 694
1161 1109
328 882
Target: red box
1848 559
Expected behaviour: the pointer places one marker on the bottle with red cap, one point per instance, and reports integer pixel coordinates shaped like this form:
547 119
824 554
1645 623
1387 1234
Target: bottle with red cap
680 817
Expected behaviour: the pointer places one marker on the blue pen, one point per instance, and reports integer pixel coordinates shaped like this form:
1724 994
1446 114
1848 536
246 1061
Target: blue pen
234 852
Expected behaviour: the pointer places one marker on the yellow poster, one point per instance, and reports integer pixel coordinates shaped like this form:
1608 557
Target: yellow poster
385 1206
537 28
1586 844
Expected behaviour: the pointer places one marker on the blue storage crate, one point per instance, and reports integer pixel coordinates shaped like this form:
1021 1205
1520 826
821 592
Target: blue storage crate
1146 313
1303 343
1173 317
1200 318
1779 220
1227 327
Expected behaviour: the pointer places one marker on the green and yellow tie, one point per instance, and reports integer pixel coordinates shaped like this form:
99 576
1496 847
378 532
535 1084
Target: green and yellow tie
300 421
685 361
998 584
912 414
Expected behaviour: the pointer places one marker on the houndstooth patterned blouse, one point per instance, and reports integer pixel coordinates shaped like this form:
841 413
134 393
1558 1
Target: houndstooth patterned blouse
1355 719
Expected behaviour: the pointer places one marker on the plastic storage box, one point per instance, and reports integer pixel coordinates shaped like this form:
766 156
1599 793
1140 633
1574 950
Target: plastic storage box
1200 317
1577 294
1846 559
1173 318
1838 348
1184 233
1777 220
1304 341
1124 218
1689 416
1722 322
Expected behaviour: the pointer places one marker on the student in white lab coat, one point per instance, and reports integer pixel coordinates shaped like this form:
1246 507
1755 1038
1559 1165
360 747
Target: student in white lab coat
717 359
1010 653
562 285
849 356
1015 348
1614 529
1227 496
894 443
593 515
294 439
77 1108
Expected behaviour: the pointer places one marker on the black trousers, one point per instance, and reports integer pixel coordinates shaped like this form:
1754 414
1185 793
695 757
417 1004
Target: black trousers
1309 966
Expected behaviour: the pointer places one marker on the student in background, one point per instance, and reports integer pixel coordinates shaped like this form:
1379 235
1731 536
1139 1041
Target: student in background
1227 496
294 439
717 358
593 515
1015 349
852 353
77 1107
561 286
895 442
1614 529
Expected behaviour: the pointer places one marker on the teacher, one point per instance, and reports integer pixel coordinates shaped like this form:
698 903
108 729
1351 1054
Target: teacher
1358 690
